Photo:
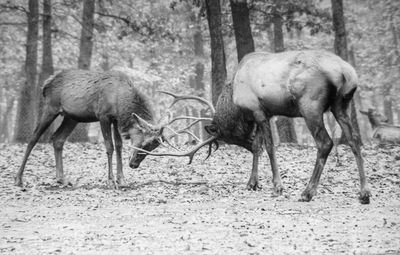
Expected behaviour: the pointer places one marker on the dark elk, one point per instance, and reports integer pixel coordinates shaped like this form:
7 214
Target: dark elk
294 84
110 98
382 131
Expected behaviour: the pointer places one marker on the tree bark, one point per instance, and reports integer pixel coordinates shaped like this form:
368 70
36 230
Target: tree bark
47 63
27 104
242 29
218 65
340 45
4 130
285 126
196 80
80 134
86 44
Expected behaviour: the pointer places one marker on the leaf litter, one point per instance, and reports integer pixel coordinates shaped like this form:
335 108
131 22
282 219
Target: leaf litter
171 207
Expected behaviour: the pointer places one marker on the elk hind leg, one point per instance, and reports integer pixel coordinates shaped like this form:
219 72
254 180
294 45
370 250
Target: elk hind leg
339 111
324 144
46 119
59 138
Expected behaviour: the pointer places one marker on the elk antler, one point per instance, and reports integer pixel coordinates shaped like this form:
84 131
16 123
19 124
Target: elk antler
211 140
184 97
197 119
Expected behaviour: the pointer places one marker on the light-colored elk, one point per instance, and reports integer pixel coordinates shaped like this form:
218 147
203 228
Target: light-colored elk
294 84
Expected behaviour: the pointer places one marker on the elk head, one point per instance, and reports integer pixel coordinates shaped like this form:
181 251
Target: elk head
143 136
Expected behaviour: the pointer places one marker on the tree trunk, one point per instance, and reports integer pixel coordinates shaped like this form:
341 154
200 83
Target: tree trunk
26 105
47 63
86 44
80 134
340 45
241 26
285 126
4 130
218 66
196 80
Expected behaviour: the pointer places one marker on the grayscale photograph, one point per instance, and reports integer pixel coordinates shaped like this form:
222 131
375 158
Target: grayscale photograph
200 127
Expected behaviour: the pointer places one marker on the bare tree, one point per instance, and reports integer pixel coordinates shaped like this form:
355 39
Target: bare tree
241 26
27 104
218 68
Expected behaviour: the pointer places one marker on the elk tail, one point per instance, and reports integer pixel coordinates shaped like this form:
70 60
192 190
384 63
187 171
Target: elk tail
349 82
48 81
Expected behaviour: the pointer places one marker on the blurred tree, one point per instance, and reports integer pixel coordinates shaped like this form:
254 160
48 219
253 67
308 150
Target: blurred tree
47 63
340 45
285 126
80 133
242 29
27 103
196 79
218 69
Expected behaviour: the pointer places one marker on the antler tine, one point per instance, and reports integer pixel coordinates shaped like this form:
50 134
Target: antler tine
188 118
189 154
183 97
183 130
210 148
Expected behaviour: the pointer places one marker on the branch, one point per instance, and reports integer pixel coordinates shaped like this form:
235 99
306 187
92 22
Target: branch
14 8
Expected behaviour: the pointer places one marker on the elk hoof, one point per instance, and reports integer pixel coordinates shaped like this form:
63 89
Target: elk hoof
253 185
307 195
18 182
64 182
121 182
364 196
278 190
112 184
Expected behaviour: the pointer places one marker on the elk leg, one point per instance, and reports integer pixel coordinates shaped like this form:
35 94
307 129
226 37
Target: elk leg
264 123
46 119
106 130
344 121
324 145
118 149
59 138
253 183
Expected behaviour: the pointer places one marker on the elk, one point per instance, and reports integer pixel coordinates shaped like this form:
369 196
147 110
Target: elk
110 98
294 84
382 130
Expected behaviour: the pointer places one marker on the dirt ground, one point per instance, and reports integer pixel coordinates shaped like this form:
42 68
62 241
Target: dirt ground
170 207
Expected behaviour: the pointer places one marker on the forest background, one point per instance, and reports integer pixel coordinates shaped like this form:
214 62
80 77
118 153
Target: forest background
167 45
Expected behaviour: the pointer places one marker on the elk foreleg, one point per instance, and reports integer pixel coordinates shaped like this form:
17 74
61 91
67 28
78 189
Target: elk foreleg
59 138
324 145
118 150
253 183
105 125
266 136
45 121
344 121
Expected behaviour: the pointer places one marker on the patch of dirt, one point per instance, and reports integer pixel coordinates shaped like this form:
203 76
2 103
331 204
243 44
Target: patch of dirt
170 207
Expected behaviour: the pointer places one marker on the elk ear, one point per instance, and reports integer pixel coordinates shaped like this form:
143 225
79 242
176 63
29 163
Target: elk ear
212 130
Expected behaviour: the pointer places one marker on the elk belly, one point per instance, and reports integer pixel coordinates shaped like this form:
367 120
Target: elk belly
78 109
